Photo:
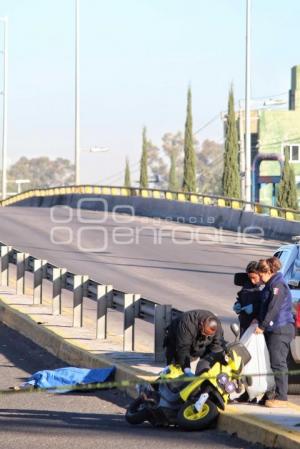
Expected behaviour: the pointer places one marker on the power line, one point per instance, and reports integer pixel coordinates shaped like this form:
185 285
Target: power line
283 141
207 123
270 96
133 166
119 174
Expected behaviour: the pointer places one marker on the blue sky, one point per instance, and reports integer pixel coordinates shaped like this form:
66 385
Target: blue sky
137 59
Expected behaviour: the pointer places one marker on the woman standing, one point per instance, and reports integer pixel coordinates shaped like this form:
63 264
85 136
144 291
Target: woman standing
277 323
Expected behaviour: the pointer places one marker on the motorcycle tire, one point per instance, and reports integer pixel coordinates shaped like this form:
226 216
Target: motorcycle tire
189 419
137 413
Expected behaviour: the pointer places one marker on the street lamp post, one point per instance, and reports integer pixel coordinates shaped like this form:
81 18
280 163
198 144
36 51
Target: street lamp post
242 149
77 101
247 110
20 182
96 149
4 20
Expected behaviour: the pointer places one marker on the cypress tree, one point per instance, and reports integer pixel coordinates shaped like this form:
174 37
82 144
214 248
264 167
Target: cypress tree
144 162
293 190
127 178
287 192
231 175
173 179
189 164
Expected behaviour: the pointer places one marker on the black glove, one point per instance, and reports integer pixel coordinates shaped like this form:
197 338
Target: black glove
215 357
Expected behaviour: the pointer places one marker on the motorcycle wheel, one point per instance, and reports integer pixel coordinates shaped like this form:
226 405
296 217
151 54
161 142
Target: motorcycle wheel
137 412
189 419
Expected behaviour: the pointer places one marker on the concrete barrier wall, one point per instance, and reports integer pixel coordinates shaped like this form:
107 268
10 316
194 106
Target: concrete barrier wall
185 212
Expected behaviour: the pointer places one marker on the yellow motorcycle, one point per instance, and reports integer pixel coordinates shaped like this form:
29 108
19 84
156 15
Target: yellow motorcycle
190 403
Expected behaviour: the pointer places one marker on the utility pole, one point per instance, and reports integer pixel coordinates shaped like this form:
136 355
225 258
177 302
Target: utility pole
4 20
242 150
77 100
247 109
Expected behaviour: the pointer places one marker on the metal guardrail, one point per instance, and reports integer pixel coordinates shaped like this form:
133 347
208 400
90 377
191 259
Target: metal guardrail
209 200
130 304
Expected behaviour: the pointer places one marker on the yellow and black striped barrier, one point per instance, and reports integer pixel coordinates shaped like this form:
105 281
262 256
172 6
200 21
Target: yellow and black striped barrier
195 198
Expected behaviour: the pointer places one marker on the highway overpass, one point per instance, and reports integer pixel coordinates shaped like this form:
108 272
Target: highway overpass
171 263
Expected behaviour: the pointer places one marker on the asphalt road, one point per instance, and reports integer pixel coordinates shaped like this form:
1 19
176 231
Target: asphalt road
183 265
78 420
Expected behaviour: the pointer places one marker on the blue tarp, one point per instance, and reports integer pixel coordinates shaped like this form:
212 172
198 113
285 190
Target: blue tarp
69 376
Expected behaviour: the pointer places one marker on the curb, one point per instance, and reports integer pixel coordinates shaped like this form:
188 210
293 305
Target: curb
257 430
244 426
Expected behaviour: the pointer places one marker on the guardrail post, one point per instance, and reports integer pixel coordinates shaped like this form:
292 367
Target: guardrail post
162 319
129 318
77 300
20 270
38 280
4 256
104 300
57 274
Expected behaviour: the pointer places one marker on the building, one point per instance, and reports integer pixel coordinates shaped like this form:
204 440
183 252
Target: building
273 130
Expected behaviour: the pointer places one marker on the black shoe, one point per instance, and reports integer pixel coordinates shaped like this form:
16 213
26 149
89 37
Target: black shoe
243 398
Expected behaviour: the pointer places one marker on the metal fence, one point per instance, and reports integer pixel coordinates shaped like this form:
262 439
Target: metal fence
209 200
130 304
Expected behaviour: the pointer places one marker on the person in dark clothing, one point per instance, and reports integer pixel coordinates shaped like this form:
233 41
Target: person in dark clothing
277 323
197 333
248 302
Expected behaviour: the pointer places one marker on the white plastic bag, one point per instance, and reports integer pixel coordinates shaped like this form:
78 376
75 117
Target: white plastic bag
259 363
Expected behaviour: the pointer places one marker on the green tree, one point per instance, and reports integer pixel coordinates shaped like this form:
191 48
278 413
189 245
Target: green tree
293 201
144 162
231 175
173 178
173 143
210 167
127 178
287 191
189 164
42 172
156 165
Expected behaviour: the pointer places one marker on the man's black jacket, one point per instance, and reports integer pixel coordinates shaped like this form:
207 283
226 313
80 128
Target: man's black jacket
184 339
